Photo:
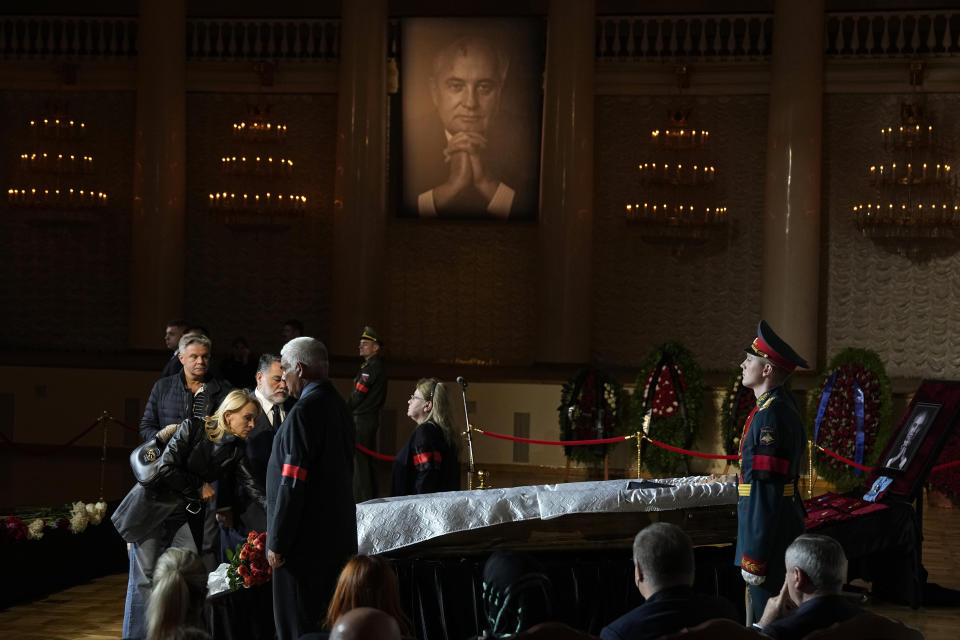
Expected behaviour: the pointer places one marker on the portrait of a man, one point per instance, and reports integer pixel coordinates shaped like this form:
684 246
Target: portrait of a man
471 99
911 436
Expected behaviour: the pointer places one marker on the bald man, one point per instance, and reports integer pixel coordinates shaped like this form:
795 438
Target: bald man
365 623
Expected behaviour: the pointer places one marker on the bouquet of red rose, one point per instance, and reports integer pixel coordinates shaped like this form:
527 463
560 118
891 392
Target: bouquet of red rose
248 562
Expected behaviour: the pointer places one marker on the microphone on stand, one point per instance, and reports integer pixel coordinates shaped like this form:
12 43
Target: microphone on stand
470 466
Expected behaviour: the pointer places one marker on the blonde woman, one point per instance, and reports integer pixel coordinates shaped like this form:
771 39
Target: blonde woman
178 595
157 517
428 463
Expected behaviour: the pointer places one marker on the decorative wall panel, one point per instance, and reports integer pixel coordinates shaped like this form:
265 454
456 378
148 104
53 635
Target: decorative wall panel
707 297
245 281
64 284
461 292
904 309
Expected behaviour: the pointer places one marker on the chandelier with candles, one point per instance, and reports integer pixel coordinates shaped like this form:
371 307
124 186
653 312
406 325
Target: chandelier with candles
677 197
256 162
54 173
914 204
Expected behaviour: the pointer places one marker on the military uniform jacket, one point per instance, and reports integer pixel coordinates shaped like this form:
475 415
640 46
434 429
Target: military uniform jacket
311 515
771 450
369 388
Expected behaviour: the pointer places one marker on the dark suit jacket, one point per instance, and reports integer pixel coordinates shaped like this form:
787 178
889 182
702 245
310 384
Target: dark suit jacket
311 515
668 611
173 366
818 613
512 156
259 444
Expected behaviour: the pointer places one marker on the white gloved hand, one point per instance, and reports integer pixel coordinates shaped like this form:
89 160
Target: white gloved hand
751 578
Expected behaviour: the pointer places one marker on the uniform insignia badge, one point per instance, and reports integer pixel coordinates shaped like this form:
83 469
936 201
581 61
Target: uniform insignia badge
364 375
766 436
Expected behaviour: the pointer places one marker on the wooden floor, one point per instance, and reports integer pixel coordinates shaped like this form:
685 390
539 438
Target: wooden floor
95 611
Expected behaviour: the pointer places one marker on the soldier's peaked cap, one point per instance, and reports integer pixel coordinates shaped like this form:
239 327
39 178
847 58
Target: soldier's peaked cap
369 333
772 347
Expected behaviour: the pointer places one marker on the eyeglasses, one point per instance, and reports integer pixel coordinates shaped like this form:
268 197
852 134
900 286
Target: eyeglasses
416 397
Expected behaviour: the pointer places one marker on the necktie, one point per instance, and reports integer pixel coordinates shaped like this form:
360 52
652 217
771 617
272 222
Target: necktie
276 416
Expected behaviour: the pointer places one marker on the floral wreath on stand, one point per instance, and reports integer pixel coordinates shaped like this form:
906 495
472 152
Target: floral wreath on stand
670 388
738 402
591 408
947 480
849 413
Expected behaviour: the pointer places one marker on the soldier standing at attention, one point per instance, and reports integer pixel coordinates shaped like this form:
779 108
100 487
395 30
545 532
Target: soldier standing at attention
770 513
366 401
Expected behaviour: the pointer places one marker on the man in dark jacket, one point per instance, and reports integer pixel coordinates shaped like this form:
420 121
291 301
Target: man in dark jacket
366 400
191 392
811 597
663 571
311 516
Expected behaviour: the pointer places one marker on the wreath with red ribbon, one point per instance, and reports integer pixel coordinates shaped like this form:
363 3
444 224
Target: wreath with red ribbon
849 370
669 388
738 402
591 408
948 480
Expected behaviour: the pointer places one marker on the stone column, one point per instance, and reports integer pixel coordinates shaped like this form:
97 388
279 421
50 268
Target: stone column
359 209
566 187
159 174
791 217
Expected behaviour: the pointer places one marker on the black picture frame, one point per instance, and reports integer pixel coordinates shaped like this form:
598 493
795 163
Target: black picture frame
505 104
899 456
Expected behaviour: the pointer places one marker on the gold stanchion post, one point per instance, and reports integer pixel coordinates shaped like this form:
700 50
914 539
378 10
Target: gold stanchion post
639 443
810 479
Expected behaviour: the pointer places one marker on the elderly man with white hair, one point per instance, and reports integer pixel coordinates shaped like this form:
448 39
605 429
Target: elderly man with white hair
311 517
811 597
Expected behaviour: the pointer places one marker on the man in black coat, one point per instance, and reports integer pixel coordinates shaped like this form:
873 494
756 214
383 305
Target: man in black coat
811 597
663 570
311 516
234 508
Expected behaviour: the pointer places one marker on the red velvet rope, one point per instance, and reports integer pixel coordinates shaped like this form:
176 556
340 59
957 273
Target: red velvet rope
842 459
946 465
33 452
670 447
564 443
123 424
374 454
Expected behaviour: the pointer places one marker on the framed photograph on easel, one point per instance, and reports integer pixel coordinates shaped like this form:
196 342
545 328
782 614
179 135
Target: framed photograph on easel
907 441
905 464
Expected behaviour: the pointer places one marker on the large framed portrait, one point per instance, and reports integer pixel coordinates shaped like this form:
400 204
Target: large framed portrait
471 98
904 446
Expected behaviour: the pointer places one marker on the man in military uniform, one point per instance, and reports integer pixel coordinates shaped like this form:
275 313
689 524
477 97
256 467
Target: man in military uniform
366 400
770 512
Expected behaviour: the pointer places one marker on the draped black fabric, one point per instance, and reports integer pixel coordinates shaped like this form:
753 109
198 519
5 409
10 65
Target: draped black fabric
244 614
60 560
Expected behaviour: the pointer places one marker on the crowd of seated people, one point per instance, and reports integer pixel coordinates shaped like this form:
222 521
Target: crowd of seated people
518 599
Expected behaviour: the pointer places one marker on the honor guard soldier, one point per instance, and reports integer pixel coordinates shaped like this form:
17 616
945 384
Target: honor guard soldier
366 401
770 512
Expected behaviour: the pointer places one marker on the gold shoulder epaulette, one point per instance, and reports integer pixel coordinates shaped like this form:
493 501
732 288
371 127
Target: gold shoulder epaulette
768 402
